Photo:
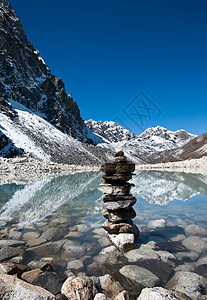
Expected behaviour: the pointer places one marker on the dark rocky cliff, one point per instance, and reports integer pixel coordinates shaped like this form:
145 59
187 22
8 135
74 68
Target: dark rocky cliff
25 78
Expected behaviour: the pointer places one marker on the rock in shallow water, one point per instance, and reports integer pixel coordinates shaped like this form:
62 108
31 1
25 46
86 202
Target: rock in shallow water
140 275
195 243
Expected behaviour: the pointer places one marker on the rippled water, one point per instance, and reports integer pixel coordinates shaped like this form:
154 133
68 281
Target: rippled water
67 209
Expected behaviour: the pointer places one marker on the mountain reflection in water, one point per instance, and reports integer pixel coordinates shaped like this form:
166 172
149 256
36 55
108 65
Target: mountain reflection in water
26 204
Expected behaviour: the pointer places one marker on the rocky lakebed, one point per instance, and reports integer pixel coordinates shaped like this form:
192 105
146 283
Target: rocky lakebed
63 252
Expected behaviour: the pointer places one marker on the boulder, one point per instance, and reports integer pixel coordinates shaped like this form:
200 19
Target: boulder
50 281
140 275
13 288
188 283
79 288
157 293
73 249
195 243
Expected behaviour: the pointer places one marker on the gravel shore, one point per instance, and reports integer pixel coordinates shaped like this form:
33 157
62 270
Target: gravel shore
195 166
28 169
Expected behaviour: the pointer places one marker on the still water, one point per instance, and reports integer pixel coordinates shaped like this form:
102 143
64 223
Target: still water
61 217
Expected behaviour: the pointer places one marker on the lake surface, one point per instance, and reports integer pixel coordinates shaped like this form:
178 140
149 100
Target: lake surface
61 217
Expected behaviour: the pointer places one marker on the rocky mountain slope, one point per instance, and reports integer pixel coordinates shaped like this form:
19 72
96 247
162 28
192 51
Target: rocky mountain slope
195 148
39 119
26 78
138 148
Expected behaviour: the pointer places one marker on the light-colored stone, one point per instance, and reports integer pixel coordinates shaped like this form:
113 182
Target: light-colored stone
188 283
156 293
75 265
81 287
195 243
107 250
109 285
31 235
83 227
178 238
140 275
156 223
72 249
122 241
15 289
143 253
194 229
7 267
186 256
100 296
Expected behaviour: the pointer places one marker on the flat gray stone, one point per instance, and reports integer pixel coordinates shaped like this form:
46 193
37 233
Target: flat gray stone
194 229
72 249
145 252
140 275
75 265
195 243
13 288
9 252
11 243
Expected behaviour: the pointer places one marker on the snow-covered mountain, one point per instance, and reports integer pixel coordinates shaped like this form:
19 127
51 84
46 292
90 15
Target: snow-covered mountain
195 148
30 134
138 148
39 119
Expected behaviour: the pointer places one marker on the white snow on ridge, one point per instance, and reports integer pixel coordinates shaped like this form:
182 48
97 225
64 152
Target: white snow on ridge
28 127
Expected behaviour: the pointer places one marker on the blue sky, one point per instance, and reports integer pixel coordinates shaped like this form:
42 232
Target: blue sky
109 51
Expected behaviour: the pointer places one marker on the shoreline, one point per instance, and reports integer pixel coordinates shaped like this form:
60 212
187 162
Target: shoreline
194 166
27 169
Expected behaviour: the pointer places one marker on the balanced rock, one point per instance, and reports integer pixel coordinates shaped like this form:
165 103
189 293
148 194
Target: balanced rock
118 202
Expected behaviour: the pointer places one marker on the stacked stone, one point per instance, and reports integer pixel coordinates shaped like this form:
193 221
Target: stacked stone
118 202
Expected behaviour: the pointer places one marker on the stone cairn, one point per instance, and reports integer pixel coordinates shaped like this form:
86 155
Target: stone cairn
118 202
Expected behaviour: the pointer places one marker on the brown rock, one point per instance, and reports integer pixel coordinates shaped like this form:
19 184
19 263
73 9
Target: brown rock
118 227
119 159
29 276
118 168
